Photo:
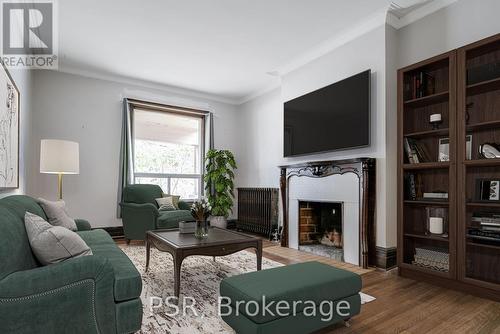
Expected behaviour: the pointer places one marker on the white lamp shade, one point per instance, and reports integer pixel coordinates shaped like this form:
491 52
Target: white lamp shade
59 157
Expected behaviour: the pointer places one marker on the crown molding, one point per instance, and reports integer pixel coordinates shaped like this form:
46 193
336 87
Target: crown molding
368 24
260 92
146 84
417 14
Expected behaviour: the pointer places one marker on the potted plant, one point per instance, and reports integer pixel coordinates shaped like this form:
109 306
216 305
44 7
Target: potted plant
219 185
200 210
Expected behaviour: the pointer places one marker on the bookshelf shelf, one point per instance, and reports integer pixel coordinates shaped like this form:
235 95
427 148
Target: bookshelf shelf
427 100
427 202
483 125
482 162
427 237
483 204
437 133
424 270
426 165
476 244
484 86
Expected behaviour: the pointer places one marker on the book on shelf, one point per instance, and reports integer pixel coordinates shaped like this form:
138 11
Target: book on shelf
411 188
415 153
422 84
436 195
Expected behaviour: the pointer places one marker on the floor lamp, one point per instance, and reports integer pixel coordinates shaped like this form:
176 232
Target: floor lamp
59 157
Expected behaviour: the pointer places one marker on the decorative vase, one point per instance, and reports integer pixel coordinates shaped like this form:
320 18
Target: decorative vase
201 230
218 221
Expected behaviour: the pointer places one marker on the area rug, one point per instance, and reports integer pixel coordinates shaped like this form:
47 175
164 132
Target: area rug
200 279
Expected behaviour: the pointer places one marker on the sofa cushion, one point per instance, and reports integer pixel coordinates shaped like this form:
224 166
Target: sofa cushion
14 242
142 193
95 237
184 206
298 282
53 244
171 219
128 283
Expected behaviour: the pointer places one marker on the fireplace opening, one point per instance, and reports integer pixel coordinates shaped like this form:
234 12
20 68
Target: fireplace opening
320 228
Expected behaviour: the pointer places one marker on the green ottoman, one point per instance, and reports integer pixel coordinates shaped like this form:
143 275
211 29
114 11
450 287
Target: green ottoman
299 298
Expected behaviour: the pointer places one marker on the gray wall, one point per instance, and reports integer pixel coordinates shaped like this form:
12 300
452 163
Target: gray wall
89 111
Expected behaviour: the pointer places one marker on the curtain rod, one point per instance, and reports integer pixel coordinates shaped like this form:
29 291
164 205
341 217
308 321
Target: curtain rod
165 107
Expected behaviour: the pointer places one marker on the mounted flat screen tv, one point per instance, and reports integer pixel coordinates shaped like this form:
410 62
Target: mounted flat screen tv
335 117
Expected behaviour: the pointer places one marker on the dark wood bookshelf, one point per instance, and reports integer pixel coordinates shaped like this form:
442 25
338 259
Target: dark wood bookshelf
427 202
482 162
438 132
467 110
427 100
414 267
483 204
476 244
428 237
483 125
426 165
484 86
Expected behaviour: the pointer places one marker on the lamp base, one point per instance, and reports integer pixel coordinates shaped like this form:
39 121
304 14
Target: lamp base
60 185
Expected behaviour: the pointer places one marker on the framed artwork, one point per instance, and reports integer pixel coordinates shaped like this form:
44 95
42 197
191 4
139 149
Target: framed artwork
9 131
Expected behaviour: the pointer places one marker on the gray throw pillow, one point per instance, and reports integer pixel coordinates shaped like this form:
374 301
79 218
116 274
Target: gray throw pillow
175 200
53 244
56 212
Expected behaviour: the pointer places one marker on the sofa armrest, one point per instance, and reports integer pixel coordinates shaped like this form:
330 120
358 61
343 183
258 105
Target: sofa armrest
83 225
44 298
138 218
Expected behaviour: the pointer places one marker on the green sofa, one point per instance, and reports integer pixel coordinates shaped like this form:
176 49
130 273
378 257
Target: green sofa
90 294
140 211
300 283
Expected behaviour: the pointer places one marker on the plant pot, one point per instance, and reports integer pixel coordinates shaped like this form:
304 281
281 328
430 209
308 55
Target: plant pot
218 221
201 230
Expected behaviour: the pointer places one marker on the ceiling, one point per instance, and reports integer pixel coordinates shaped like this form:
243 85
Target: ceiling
224 48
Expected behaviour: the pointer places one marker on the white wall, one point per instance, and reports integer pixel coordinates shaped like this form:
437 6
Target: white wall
459 24
263 117
89 111
23 80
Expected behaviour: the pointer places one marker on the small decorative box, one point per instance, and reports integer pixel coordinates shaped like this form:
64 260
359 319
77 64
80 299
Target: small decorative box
187 227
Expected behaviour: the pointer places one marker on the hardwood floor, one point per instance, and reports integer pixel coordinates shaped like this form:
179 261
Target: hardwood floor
404 305
407 306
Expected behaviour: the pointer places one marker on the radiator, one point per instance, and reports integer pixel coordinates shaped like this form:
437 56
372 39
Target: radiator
257 210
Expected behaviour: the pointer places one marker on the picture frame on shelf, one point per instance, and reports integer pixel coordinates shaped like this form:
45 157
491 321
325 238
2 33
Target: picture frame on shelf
488 190
468 147
444 149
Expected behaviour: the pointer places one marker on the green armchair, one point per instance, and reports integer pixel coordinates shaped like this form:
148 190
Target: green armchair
90 294
140 211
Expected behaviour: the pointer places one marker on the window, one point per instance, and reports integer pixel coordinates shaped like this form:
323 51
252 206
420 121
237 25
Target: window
168 151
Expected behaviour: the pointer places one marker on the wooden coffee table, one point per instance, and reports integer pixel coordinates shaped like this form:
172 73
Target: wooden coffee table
220 242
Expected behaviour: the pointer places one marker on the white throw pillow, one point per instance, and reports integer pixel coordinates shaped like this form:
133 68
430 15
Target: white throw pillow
166 203
175 200
56 212
53 244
